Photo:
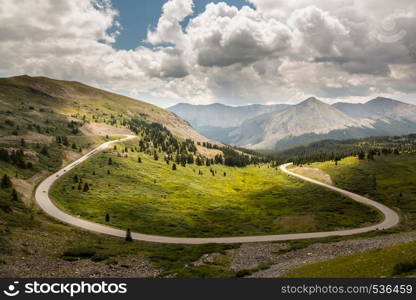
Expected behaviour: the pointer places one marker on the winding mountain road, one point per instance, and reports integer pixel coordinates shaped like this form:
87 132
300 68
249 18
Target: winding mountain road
391 218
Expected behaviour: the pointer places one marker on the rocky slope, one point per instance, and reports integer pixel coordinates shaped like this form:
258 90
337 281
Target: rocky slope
379 109
278 127
309 116
30 99
220 115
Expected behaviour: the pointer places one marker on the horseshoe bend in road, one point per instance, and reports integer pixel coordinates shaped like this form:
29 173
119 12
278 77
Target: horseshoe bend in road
391 218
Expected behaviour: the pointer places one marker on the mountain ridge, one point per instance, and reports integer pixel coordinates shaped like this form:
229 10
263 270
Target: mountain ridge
72 97
309 116
311 120
221 115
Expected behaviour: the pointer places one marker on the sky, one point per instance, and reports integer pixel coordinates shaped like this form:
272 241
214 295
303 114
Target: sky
235 52
137 17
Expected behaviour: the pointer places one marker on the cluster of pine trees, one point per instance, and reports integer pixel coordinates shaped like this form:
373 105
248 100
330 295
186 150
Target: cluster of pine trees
7 185
80 185
208 145
157 137
74 127
15 157
233 158
63 141
332 150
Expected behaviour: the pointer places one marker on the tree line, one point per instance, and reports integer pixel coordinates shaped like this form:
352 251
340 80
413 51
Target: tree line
334 150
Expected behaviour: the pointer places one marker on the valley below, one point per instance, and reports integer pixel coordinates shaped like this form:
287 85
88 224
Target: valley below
199 201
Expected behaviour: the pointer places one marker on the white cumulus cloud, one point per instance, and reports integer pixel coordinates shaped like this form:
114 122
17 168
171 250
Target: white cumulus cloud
278 51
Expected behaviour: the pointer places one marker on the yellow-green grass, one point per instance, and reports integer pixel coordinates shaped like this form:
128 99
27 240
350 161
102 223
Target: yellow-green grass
389 179
33 100
50 162
150 197
383 262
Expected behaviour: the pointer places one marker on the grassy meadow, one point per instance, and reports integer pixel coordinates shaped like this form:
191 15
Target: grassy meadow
149 197
389 179
398 260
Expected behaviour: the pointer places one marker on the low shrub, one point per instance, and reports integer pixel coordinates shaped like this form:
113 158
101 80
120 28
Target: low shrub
404 267
80 252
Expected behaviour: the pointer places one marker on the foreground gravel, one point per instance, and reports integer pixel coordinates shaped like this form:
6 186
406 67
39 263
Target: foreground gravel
44 267
37 253
319 252
250 256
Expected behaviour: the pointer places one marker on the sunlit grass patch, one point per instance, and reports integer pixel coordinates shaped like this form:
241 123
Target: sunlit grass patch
150 197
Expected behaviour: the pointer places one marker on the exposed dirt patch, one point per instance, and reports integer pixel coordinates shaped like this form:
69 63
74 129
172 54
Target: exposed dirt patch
32 155
71 156
210 153
104 129
250 256
30 137
35 179
313 173
24 188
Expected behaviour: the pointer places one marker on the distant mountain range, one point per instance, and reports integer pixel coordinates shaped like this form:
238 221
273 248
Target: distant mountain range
279 126
220 115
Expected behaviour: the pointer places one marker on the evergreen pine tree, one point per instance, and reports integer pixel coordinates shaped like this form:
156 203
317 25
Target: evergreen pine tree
6 182
44 151
86 187
174 167
128 236
15 197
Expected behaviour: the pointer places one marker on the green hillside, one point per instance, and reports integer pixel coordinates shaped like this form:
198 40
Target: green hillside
201 201
394 261
45 124
167 181
28 102
389 179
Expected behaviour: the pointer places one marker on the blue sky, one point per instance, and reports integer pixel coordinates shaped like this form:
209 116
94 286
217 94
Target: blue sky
136 16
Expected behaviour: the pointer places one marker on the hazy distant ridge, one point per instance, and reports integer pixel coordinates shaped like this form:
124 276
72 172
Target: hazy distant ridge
270 127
